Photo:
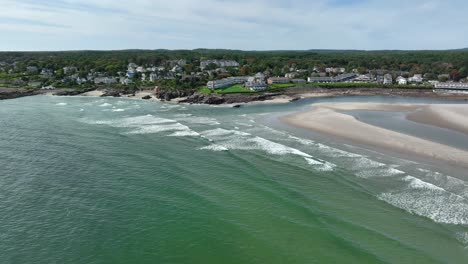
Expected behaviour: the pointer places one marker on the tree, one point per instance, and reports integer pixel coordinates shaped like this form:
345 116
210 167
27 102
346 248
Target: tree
455 75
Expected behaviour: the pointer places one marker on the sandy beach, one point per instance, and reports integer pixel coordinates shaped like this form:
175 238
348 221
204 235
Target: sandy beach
328 118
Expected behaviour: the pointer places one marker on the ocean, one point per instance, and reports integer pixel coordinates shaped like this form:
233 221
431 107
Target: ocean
114 180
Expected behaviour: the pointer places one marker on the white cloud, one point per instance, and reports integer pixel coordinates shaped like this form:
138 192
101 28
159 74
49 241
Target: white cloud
255 24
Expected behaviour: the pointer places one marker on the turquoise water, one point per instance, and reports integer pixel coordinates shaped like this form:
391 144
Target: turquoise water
90 180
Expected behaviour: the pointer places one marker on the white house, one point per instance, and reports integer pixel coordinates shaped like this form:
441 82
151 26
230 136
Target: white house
140 69
401 80
226 82
417 78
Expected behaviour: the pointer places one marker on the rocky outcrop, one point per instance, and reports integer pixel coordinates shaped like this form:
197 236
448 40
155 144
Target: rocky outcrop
216 99
146 97
11 93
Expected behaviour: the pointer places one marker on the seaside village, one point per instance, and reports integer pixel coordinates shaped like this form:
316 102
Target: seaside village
218 76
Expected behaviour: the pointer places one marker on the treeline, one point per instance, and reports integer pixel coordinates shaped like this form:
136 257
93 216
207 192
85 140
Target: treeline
432 62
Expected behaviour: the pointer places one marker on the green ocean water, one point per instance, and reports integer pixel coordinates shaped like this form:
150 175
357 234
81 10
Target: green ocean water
91 180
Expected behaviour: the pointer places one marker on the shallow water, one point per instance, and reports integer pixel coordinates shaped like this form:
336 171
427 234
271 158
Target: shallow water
91 180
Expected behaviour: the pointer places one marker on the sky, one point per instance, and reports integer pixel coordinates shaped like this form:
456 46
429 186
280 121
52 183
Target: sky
232 24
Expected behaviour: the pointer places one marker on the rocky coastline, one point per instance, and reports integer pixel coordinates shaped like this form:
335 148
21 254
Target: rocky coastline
286 95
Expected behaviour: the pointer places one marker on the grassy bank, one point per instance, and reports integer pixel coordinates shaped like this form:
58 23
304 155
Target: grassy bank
366 85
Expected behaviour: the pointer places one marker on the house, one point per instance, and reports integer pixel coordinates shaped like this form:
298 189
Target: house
140 69
153 77
335 70
417 78
130 73
69 69
257 82
340 78
291 75
217 84
388 79
126 81
80 81
49 87
401 80
260 76
132 65
105 80
254 86
31 69
364 78
176 68
451 86
277 80
380 79
219 63
47 73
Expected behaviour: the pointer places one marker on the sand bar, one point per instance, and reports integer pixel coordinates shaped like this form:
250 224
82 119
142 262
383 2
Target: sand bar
327 118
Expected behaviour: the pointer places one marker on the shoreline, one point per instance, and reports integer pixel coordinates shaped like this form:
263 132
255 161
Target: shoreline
327 119
285 96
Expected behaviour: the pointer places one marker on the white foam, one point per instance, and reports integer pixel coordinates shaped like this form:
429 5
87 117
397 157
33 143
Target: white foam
200 120
183 115
365 163
336 153
61 104
302 140
105 105
218 132
118 110
436 204
141 121
276 148
379 172
81 110
416 183
186 133
154 129
321 165
214 148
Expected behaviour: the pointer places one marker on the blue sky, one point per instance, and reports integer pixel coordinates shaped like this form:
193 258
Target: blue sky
233 24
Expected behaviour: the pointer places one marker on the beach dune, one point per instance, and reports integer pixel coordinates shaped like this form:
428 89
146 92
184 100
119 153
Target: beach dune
328 118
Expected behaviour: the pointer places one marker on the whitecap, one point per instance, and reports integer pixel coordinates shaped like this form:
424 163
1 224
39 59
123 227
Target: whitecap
185 133
302 140
379 172
416 183
61 104
223 132
433 203
154 129
276 148
105 105
215 148
321 165
118 110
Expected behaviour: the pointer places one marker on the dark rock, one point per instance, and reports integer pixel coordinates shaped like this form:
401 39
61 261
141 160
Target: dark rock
295 99
237 106
111 93
147 97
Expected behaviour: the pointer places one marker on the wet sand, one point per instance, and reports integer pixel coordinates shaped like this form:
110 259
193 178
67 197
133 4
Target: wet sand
327 118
